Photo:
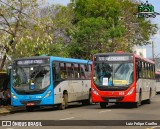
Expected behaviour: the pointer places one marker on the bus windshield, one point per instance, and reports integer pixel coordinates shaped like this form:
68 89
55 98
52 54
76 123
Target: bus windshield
113 74
25 76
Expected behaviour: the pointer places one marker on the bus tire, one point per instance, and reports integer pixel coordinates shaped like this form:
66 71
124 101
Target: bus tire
148 101
90 98
64 103
30 109
103 104
137 104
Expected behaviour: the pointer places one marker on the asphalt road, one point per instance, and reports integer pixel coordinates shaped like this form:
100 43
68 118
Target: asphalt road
85 115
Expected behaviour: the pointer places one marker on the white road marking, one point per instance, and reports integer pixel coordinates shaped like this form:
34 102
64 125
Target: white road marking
105 111
155 127
68 118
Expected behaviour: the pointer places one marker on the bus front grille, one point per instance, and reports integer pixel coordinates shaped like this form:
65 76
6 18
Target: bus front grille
36 102
117 99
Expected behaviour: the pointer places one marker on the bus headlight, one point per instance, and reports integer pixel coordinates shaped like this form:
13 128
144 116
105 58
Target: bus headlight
131 91
13 96
95 92
48 94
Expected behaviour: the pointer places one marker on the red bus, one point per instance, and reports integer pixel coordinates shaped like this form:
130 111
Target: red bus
122 78
157 82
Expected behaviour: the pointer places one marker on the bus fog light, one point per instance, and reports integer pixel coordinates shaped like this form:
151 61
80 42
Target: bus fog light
13 96
48 94
95 92
131 91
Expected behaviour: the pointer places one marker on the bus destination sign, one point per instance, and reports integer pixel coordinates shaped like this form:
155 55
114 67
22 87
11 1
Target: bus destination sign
32 61
113 58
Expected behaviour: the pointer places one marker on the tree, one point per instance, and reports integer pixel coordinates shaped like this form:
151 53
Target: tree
97 26
137 30
14 19
107 26
29 29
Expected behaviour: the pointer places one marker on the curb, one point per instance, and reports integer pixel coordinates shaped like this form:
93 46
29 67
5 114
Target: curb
4 111
10 109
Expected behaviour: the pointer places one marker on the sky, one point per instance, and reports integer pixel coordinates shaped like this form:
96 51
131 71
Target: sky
155 39
62 2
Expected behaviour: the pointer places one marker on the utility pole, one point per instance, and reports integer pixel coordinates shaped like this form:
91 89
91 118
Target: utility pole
152 50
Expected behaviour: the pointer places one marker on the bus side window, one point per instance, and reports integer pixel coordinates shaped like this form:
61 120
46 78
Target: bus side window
150 71
56 71
141 70
63 71
82 70
137 70
70 70
76 71
88 72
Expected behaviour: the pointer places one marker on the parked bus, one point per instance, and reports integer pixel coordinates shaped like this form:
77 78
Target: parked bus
48 80
157 82
122 78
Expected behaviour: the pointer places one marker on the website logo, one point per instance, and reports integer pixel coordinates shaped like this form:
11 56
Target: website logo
146 10
6 123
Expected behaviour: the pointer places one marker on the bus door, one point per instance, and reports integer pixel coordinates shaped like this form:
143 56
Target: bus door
74 83
84 75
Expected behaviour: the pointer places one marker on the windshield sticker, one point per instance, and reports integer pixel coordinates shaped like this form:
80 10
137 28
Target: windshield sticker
105 81
124 82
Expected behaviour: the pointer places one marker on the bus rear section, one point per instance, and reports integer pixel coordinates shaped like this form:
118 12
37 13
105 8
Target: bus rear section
115 80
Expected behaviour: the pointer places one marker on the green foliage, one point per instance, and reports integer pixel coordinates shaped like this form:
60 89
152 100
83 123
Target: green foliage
107 26
97 25
78 30
28 29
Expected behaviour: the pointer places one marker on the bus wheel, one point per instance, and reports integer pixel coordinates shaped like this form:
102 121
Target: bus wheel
29 109
90 99
137 104
148 101
103 104
64 103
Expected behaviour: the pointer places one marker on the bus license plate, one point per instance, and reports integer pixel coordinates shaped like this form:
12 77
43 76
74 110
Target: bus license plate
112 100
30 104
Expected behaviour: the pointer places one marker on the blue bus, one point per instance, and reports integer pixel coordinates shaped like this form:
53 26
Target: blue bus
48 80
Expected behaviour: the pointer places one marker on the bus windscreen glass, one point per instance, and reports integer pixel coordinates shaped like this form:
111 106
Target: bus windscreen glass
31 78
113 71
